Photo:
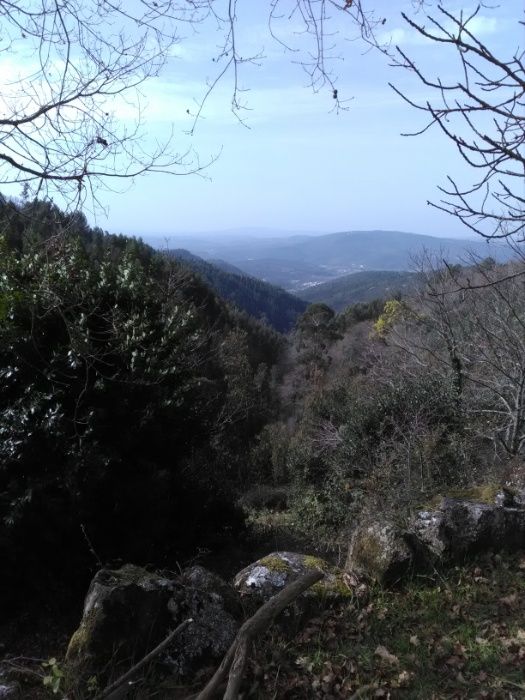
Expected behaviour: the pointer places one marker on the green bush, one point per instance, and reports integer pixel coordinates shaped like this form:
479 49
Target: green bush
391 443
126 390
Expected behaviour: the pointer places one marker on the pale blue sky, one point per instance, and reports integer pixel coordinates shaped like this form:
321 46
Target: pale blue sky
300 166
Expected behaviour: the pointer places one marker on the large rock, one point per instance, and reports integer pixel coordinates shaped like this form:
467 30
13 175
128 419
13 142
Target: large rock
267 576
208 638
203 580
457 528
461 527
379 551
128 611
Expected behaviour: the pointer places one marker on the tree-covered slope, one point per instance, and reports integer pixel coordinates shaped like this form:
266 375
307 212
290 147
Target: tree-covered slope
259 299
360 287
129 394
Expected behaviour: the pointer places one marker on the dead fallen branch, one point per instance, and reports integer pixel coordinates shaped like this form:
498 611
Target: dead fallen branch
113 687
236 656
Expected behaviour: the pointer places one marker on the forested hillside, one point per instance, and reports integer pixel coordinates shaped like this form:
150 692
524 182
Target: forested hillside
360 287
259 299
129 395
145 421
396 402
194 505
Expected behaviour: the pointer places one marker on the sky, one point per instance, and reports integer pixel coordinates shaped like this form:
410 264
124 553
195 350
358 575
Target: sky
295 163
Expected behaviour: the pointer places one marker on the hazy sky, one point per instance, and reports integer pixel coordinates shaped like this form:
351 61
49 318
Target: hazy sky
299 165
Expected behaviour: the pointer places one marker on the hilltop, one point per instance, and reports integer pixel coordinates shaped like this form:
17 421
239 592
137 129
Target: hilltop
295 262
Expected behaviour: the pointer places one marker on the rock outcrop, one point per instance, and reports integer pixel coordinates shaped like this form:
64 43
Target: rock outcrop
461 527
457 528
128 611
379 551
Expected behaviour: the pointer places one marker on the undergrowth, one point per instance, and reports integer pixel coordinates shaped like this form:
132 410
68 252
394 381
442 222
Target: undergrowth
460 636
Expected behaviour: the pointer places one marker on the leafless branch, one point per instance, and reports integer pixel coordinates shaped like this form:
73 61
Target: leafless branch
482 113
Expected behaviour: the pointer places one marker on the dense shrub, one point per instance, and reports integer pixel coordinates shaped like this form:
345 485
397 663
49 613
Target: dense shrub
393 444
126 389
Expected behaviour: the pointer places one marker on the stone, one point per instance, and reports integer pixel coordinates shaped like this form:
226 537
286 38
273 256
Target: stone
208 638
267 576
129 611
461 527
511 498
200 578
379 551
125 615
10 691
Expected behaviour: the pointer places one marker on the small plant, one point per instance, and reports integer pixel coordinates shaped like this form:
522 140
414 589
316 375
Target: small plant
54 675
92 685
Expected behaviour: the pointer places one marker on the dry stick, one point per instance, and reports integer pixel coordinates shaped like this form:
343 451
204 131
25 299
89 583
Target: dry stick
262 619
237 671
107 692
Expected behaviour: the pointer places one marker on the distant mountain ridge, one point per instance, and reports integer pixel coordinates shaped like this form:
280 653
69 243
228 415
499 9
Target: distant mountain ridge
294 262
383 250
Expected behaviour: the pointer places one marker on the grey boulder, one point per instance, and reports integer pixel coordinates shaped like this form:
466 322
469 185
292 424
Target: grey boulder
379 551
267 576
129 611
461 527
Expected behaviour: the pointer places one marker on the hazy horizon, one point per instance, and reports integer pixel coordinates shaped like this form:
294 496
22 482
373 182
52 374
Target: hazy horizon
296 164
265 233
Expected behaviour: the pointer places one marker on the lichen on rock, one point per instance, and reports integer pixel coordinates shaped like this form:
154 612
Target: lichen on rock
128 611
267 576
379 551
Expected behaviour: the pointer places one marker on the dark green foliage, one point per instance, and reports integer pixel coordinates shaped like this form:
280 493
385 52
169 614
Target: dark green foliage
356 313
315 331
396 442
126 391
259 299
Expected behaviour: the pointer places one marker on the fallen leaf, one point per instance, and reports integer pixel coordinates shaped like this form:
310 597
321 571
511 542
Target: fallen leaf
455 661
385 655
414 640
510 601
351 580
404 678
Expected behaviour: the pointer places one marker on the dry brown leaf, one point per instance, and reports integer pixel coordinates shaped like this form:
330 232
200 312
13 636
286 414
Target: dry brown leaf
385 655
510 601
404 678
455 662
351 580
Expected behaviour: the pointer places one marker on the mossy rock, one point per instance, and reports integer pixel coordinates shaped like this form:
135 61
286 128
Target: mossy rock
379 551
128 611
125 615
482 493
267 576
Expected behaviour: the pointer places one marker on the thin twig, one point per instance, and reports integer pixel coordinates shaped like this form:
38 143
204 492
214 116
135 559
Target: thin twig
107 692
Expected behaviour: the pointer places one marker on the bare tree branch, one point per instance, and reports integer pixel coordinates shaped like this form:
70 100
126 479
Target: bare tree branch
483 114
